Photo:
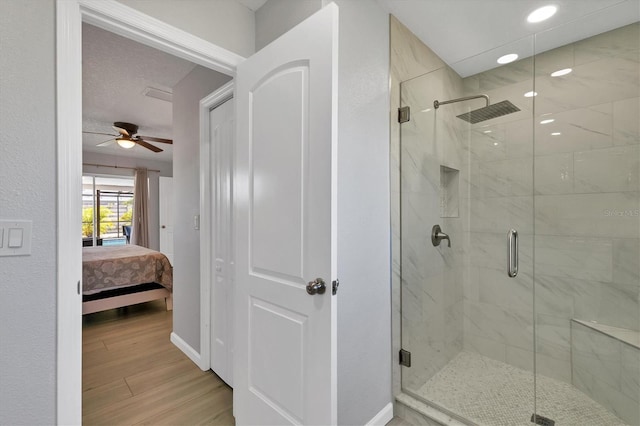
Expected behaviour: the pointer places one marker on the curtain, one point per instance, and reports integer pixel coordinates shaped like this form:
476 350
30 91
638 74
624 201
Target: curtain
140 231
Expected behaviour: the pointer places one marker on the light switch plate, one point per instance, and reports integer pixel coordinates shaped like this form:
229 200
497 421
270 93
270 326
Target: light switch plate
15 238
13 228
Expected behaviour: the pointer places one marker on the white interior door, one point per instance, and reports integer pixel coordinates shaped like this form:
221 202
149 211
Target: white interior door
285 348
222 128
165 200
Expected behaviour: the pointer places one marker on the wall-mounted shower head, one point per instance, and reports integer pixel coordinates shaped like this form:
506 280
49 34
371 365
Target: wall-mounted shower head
489 112
481 114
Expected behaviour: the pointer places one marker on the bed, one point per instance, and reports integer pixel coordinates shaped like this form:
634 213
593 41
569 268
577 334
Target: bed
116 276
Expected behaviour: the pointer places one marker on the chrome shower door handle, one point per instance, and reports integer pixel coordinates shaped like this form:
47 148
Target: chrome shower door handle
512 253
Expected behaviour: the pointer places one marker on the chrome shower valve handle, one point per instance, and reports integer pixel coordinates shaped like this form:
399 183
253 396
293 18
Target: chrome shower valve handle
437 235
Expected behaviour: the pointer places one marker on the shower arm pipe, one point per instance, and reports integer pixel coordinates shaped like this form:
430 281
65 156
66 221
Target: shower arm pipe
437 103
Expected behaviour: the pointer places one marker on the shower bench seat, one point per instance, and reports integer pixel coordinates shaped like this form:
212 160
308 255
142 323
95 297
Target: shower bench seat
605 364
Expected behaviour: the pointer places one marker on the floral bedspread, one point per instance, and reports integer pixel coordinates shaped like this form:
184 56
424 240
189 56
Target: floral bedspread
104 268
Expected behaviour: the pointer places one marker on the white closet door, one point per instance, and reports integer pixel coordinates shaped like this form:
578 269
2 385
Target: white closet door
222 128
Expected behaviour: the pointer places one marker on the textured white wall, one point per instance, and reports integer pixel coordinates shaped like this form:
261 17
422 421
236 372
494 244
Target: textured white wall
186 183
225 23
276 17
364 298
28 191
364 269
166 169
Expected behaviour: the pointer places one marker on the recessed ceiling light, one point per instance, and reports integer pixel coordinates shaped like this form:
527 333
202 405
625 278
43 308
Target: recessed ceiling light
556 134
541 14
507 58
426 110
547 121
495 144
530 94
560 73
487 131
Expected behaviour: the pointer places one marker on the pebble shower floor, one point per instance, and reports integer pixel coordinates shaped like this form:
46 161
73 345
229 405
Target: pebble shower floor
492 393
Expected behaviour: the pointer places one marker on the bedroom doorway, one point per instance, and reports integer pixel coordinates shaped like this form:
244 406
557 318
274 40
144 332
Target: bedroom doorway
120 19
170 213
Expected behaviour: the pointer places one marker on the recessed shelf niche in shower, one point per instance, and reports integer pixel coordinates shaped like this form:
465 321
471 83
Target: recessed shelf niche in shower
449 192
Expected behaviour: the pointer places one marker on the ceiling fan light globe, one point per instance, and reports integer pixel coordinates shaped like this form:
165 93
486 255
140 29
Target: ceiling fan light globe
125 143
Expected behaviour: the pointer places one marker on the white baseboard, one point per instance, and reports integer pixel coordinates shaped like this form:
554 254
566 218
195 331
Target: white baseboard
187 350
383 417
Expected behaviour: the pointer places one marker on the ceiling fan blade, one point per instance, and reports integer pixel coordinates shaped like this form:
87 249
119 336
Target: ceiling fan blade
122 131
147 145
151 138
107 142
99 133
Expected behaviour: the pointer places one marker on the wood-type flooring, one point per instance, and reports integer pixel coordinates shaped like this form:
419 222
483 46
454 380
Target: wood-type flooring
133 375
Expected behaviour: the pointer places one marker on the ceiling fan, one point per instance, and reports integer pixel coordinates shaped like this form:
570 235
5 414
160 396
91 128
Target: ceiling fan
128 137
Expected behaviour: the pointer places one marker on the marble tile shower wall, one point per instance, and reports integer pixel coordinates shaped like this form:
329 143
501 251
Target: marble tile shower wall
583 197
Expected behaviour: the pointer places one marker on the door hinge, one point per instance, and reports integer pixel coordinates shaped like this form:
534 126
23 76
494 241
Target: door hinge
404 114
405 358
334 286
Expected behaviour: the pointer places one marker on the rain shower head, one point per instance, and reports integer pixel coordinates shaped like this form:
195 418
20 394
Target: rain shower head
482 114
489 112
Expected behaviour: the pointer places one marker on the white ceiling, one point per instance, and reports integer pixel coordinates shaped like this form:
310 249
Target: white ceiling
470 35
115 72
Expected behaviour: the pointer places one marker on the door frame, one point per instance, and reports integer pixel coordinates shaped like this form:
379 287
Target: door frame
212 101
115 17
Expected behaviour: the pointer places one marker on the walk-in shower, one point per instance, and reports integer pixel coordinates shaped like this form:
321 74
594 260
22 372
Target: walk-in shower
558 163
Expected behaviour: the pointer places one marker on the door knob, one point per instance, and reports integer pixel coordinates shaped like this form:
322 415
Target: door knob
316 287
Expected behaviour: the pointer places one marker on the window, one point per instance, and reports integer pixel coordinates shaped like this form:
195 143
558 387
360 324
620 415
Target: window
107 206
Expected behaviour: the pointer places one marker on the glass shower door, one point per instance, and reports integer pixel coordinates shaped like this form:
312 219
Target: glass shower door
431 186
